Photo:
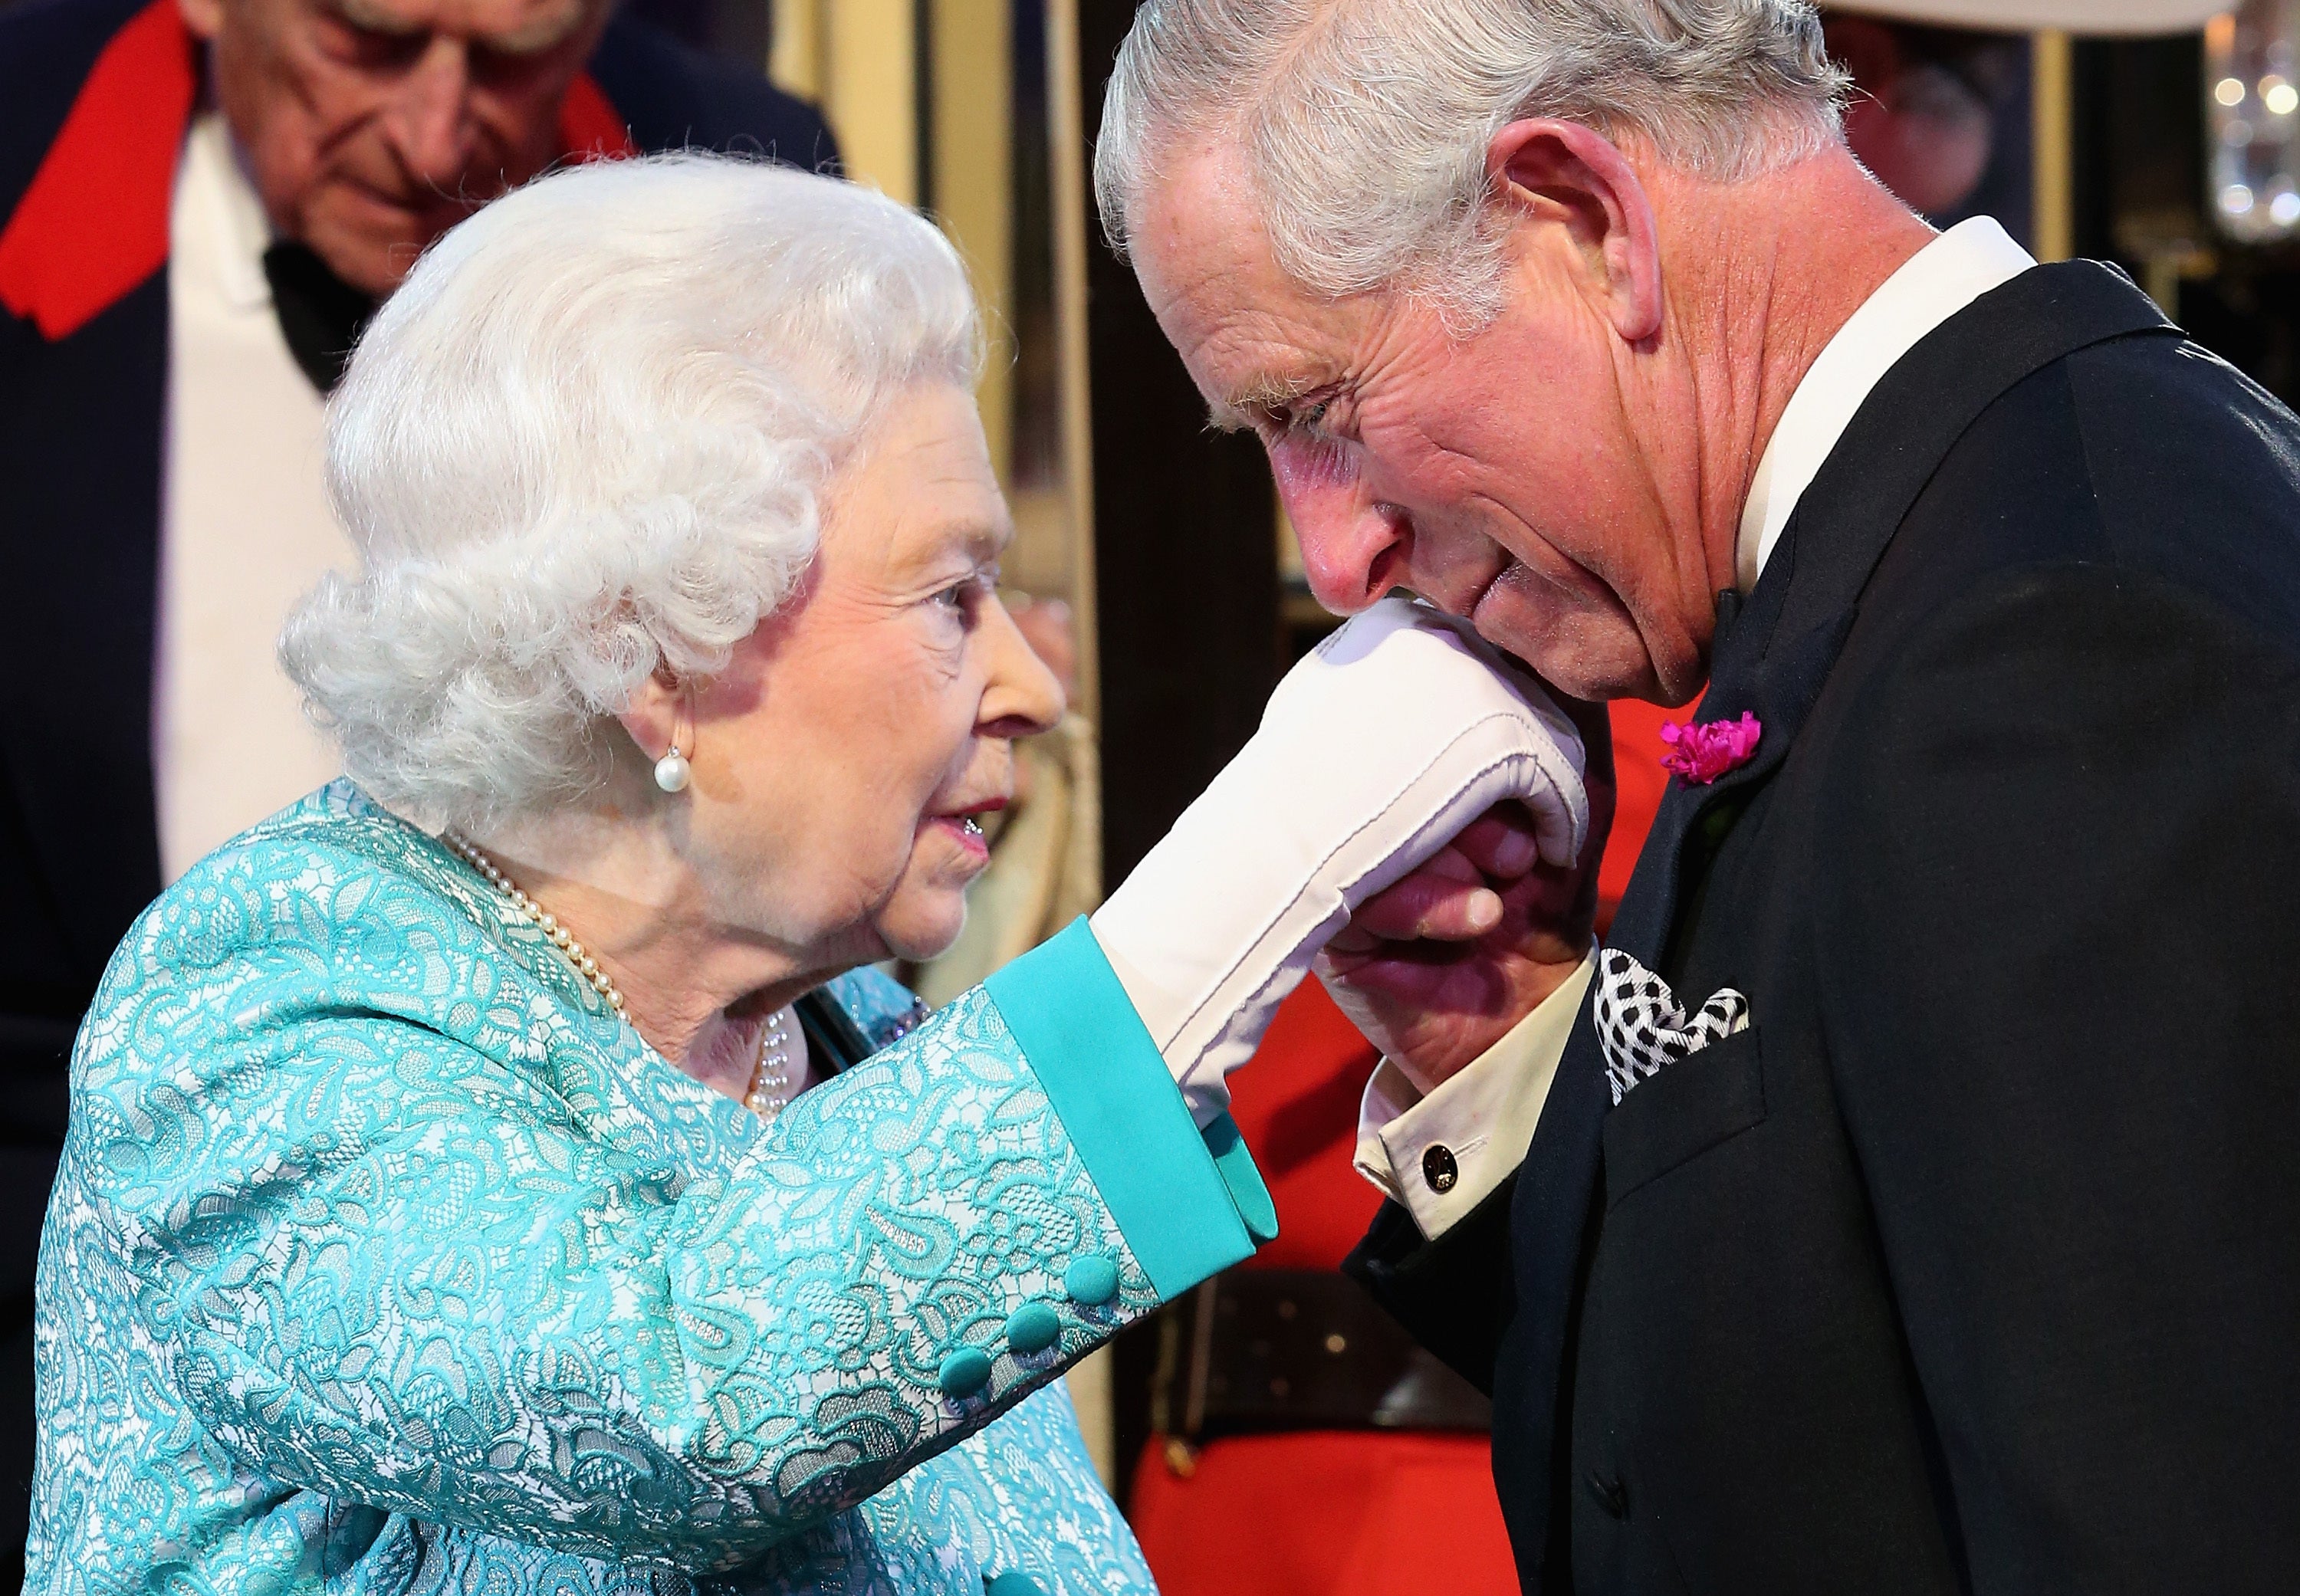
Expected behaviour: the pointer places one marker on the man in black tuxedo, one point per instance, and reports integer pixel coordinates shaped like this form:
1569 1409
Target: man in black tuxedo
350 135
1905 1200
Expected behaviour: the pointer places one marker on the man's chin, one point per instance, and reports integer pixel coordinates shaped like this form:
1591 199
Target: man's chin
375 270
375 251
1585 651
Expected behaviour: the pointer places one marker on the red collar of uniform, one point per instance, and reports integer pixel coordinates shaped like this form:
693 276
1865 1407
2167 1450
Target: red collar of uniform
94 224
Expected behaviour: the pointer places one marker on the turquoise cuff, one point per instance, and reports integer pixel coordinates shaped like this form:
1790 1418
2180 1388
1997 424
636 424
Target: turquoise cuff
1190 1204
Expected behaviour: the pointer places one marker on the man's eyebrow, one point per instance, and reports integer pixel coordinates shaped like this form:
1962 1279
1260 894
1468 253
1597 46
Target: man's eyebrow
372 18
545 31
1254 400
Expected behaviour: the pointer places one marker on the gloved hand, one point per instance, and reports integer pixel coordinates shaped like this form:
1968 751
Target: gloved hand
1401 728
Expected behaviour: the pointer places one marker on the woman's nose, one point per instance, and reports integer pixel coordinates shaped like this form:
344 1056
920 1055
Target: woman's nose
1024 696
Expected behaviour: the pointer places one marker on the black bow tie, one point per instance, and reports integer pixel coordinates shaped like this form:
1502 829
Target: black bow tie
321 315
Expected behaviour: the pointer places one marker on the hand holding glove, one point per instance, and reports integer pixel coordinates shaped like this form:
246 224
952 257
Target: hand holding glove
1401 729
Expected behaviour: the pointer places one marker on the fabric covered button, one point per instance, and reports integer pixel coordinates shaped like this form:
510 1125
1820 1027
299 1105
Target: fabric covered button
1090 1282
966 1372
1013 1582
1612 1501
1438 1169
1033 1328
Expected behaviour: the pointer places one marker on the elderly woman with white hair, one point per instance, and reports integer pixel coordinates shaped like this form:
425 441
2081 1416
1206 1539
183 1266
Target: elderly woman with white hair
502 1170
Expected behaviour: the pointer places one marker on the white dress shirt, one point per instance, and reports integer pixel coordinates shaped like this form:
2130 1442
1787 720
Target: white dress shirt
1483 1118
245 530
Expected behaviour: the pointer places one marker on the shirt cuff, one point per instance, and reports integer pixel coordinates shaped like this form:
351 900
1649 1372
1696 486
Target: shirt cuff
1442 1155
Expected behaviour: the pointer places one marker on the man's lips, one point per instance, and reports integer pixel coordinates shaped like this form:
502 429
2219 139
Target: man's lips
1516 595
1469 611
421 205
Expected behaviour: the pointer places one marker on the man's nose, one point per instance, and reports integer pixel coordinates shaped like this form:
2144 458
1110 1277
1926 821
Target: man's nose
1354 550
429 120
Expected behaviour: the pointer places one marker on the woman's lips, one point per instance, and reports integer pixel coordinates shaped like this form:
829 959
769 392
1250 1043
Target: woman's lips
965 833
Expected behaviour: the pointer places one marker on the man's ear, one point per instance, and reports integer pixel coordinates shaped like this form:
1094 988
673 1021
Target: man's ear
204 18
1566 173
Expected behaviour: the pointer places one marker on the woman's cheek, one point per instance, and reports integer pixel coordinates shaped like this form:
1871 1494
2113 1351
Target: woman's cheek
944 638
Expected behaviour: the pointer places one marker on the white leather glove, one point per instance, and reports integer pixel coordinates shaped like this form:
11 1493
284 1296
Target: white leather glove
1375 751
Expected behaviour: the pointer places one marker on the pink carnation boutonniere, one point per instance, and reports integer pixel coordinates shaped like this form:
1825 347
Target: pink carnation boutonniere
1703 753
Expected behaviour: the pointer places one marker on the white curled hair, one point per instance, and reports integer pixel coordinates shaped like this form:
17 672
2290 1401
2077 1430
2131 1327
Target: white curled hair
587 439
1364 124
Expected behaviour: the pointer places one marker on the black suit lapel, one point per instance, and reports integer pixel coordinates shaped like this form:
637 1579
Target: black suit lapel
1774 657
1641 926
1772 661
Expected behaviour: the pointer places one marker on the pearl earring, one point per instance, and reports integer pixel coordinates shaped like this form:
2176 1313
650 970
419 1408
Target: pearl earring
671 771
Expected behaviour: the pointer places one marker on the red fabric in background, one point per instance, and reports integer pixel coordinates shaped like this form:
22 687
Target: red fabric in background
1348 1513
1324 1514
590 127
1298 1104
1320 1513
94 224
1639 781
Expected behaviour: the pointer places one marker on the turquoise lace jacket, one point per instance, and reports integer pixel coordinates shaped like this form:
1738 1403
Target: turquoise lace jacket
384 1258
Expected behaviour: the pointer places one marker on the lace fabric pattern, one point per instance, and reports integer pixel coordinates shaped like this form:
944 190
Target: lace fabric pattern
383 1257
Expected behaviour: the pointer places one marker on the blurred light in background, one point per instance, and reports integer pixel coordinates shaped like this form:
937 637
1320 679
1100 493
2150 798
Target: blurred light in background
2252 72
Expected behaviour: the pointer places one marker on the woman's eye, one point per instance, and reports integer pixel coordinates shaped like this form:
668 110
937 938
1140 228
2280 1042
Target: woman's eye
963 598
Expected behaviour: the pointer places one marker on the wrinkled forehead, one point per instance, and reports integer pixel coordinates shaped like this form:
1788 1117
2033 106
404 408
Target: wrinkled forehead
517 27
918 487
1249 334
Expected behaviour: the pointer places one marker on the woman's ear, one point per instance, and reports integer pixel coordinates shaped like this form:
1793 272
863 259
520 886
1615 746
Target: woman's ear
1563 174
654 716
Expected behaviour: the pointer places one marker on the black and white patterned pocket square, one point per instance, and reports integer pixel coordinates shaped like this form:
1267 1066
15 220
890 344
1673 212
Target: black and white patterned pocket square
1642 1030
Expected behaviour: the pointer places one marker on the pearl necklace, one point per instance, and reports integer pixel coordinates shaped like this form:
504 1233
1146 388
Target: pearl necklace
769 1091
770 1083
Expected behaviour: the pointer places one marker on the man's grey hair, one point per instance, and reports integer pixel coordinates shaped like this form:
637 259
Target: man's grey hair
1364 123
587 438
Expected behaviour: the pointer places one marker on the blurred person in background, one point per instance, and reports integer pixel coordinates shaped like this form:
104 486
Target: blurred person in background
200 205
1916 116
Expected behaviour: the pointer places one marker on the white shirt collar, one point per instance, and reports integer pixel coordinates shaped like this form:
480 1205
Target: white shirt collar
229 220
1931 285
